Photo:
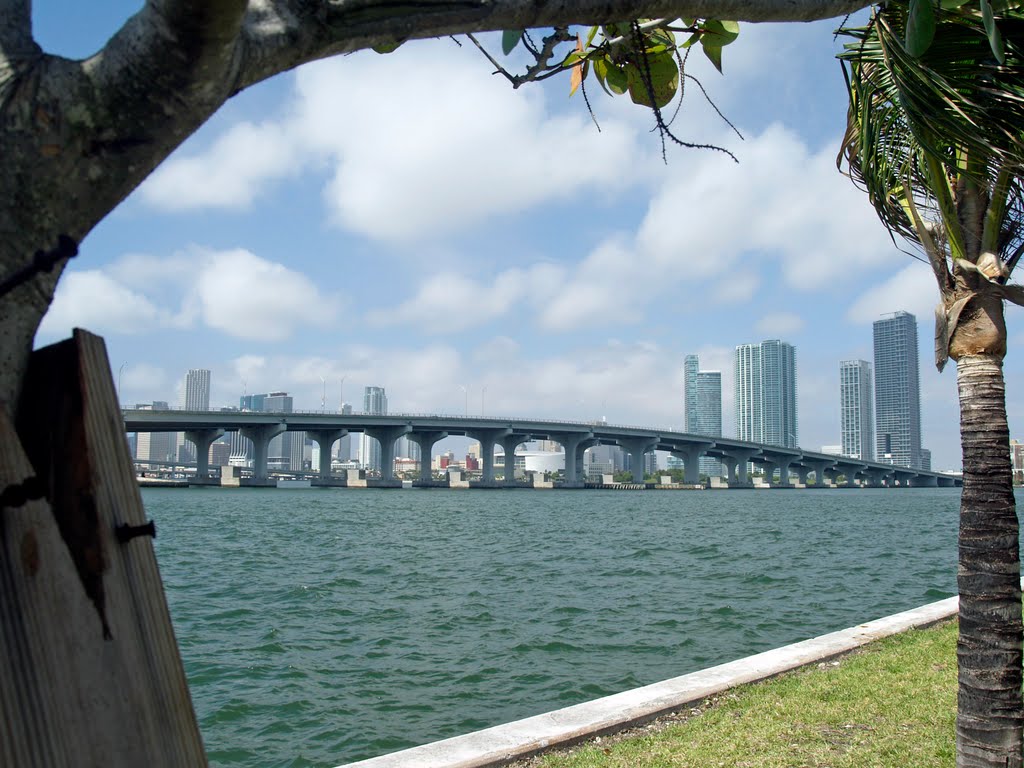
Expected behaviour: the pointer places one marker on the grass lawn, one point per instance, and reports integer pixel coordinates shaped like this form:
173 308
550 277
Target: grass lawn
891 704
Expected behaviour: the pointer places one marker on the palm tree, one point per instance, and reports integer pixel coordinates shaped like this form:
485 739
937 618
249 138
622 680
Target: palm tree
935 137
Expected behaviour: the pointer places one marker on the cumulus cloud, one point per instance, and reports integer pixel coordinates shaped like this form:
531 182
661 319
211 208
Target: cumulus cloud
234 292
419 144
911 289
445 300
230 174
98 302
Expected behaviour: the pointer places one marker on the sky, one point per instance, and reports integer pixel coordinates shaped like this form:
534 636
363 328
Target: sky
410 221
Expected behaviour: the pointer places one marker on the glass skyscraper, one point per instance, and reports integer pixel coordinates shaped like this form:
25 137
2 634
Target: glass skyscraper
856 409
375 401
702 398
765 393
897 391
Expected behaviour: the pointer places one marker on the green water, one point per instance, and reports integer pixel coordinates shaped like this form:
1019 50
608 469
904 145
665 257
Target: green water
320 627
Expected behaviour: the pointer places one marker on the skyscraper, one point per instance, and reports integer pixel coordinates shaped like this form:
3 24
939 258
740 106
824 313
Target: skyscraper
196 395
709 416
765 393
691 366
856 409
702 397
375 402
897 391
285 450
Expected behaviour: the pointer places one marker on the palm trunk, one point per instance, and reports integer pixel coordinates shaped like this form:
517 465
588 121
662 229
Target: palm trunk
990 712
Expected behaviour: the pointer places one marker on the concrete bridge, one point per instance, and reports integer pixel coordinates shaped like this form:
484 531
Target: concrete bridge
202 428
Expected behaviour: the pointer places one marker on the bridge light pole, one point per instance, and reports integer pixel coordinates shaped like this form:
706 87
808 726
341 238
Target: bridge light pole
119 372
465 391
483 392
323 395
341 395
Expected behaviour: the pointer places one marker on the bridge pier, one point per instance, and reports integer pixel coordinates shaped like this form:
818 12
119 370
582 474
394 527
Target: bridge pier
924 481
575 446
819 468
386 436
637 448
203 439
488 439
426 440
326 438
261 437
736 463
691 462
509 443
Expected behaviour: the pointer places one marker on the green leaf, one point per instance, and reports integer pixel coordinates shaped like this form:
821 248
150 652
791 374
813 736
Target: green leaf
952 5
617 79
572 59
920 27
995 40
714 53
387 47
719 34
590 36
510 39
601 73
664 81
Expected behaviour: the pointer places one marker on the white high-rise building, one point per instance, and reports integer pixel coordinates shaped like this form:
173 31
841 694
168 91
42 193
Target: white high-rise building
856 409
897 391
691 367
765 393
196 394
375 402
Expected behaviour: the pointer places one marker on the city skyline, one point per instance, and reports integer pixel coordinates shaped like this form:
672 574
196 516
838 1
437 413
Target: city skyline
288 246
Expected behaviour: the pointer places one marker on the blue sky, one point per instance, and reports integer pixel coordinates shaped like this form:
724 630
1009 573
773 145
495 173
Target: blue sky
410 221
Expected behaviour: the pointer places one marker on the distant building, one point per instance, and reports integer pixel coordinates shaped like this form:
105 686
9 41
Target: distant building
702 397
375 402
856 409
1017 461
155 446
344 445
897 391
196 394
287 450
765 393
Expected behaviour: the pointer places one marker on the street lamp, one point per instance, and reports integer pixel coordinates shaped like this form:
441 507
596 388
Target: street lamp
119 372
483 392
323 395
465 391
341 395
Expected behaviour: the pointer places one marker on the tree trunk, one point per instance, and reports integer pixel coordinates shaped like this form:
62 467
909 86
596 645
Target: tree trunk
990 712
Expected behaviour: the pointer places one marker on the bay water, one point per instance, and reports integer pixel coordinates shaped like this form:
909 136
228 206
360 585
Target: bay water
323 626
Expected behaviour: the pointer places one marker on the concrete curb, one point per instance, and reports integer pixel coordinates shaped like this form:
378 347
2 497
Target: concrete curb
563 727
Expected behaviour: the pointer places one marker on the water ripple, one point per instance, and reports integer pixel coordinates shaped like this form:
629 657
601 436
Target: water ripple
425 614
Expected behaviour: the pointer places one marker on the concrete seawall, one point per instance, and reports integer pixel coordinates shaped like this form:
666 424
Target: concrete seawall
563 727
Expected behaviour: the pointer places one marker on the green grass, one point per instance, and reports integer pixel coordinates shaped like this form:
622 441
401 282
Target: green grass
890 704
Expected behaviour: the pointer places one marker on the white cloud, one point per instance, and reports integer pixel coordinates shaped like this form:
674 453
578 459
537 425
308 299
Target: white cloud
227 175
97 302
445 300
421 143
252 298
911 289
779 324
235 292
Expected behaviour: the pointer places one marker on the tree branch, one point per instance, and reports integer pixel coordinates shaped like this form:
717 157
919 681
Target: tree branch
282 34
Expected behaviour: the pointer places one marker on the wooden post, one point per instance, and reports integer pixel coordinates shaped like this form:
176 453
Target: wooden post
90 673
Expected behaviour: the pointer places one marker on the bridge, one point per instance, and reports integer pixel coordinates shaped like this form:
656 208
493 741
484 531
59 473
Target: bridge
202 428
